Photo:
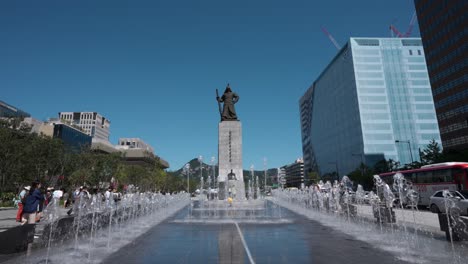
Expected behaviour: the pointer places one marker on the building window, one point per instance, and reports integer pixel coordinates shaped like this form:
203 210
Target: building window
410 52
419 52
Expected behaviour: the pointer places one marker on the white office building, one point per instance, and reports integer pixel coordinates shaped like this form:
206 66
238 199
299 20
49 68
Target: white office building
92 123
134 143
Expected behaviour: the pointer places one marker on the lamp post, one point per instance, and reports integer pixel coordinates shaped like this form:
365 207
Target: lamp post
409 147
251 182
200 160
187 169
265 173
213 162
252 172
252 178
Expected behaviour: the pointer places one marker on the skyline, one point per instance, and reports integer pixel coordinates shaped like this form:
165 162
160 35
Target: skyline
152 70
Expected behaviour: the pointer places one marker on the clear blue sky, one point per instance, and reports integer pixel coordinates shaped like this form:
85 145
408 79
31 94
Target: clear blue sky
152 67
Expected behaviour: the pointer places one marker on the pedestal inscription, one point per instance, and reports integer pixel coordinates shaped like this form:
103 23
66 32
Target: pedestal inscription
230 157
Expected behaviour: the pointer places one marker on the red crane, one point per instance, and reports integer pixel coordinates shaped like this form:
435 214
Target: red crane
408 32
332 39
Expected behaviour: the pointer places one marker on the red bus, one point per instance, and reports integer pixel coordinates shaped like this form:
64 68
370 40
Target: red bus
431 178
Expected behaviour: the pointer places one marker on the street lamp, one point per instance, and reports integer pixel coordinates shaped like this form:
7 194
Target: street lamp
252 172
409 147
187 169
213 162
200 160
265 173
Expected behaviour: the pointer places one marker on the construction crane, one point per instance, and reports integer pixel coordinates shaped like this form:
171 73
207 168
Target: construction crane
332 39
398 34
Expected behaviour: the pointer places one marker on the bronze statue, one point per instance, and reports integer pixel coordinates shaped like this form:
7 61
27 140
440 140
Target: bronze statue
232 176
229 98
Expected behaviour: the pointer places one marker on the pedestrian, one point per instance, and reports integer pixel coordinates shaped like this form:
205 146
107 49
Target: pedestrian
48 196
66 199
32 200
57 194
107 195
22 196
76 200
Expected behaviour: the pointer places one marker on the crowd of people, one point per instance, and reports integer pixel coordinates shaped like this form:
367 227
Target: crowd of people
33 199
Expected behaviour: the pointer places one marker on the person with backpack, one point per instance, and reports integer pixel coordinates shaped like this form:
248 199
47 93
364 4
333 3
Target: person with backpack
22 199
31 202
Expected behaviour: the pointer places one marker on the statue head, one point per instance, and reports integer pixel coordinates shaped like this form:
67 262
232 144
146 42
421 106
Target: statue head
228 89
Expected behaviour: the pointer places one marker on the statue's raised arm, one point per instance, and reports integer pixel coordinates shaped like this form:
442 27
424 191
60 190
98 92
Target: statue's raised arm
228 99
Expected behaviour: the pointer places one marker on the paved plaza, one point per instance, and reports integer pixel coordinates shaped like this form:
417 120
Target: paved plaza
8 218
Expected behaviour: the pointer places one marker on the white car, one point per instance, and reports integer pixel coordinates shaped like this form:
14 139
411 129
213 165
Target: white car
456 199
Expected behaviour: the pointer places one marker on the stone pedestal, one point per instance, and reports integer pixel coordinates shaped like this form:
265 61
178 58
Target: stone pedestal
230 158
221 190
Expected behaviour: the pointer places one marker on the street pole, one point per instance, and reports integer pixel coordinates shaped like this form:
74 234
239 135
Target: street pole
213 161
187 168
200 160
265 173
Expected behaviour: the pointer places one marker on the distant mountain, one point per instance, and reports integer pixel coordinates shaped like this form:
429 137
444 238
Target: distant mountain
208 169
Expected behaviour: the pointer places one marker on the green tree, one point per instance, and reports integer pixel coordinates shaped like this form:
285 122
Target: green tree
432 153
383 166
362 175
313 177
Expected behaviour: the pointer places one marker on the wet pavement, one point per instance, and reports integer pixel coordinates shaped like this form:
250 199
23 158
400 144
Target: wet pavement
246 235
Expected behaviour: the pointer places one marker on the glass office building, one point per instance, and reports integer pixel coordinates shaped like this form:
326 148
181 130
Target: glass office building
75 139
444 32
372 102
9 111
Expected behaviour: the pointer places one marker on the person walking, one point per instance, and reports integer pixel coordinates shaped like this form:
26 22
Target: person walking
75 200
22 196
33 198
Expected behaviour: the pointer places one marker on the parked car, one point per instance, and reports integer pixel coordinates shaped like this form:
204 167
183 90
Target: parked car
457 199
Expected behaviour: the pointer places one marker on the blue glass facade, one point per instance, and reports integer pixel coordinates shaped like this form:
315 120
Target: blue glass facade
72 137
373 101
7 110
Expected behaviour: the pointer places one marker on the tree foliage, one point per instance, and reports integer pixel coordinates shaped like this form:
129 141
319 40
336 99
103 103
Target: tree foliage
26 157
432 153
363 175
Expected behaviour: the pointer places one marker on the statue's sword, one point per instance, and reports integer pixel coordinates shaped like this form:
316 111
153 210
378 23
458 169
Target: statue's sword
219 105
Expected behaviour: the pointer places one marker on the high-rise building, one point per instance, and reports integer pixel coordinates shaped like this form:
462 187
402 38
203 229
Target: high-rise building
443 26
372 102
7 110
294 174
92 123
